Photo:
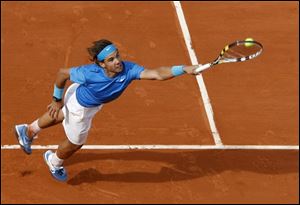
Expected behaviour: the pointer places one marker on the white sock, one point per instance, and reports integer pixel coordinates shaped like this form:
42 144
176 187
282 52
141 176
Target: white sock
55 161
34 127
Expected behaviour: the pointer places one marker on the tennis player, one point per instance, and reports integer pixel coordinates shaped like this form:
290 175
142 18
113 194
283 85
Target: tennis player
94 85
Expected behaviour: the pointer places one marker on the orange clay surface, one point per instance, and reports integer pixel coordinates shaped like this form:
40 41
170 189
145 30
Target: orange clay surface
254 103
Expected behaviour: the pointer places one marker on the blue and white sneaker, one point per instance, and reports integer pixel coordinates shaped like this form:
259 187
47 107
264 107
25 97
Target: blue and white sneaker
22 138
59 173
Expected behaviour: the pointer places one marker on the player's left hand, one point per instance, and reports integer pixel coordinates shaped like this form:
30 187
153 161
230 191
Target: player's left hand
53 109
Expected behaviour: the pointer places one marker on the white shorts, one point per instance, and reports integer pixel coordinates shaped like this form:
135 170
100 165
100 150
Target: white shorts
78 119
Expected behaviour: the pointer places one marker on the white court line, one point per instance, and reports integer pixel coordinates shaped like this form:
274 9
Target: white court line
163 147
205 98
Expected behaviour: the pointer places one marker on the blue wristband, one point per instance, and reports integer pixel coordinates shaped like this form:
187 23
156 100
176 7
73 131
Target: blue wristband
177 70
58 92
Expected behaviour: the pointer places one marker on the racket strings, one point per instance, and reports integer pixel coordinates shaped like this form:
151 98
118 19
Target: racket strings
233 54
241 52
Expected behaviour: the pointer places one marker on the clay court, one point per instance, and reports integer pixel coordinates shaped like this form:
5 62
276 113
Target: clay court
255 104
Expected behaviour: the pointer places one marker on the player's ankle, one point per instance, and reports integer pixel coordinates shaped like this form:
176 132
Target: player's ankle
33 129
29 133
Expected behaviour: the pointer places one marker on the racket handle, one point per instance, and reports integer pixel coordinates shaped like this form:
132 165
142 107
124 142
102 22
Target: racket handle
202 68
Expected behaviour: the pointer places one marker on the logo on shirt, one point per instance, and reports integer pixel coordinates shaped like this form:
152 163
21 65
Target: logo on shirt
122 78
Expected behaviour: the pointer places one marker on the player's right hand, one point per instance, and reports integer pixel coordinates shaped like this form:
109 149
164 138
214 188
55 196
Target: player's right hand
195 70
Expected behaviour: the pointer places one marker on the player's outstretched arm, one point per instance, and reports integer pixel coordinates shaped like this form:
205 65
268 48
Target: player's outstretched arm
165 73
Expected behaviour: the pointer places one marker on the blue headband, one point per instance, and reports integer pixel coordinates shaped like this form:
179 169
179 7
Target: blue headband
106 51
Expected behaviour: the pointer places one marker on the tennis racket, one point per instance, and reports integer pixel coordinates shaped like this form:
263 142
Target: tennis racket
235 52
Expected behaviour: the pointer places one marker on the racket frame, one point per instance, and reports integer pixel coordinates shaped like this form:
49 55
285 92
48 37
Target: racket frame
219 60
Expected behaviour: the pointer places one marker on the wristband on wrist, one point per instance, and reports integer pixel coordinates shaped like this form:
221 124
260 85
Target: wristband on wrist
177 70
56 99
58 92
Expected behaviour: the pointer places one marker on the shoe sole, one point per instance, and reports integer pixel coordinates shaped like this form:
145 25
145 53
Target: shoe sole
18 138
46 161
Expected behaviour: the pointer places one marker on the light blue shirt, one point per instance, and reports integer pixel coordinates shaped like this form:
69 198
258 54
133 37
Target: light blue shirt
97 88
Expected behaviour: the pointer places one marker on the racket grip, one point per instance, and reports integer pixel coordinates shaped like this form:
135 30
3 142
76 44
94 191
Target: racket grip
202 68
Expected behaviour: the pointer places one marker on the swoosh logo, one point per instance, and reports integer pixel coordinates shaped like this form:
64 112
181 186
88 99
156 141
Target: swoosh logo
122 79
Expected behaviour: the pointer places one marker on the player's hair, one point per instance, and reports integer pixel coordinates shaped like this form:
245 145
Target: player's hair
97 48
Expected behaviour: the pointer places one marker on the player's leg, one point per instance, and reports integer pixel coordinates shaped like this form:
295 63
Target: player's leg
43 122
26 133
76 136
77 132
66 149
55 160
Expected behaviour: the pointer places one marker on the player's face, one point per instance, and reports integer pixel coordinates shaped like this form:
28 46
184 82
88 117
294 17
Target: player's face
113 63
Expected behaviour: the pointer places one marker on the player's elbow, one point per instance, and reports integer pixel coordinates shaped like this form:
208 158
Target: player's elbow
161 74
160 77
64 73
153 74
